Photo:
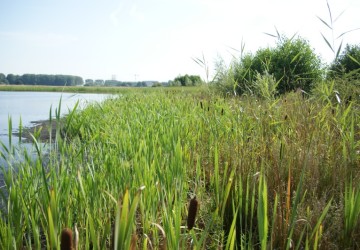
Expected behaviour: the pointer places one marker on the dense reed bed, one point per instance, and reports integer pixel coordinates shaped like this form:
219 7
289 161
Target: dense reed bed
185 169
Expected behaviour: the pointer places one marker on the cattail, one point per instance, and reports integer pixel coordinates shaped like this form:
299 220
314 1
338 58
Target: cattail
193 207
286 116
201 105
222 111
66 239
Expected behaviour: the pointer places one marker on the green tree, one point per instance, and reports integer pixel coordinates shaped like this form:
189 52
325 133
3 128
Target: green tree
3 79
89 82
99 82
292 63
348 61
14 79
29 79
187 80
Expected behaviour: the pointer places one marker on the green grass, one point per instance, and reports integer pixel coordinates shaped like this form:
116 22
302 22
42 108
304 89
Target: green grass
269 174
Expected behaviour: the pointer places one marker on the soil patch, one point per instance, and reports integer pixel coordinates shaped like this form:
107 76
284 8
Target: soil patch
44 126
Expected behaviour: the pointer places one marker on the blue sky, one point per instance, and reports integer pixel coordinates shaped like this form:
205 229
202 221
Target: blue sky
154 39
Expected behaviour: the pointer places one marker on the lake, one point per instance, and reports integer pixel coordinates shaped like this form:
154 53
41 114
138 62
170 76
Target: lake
35 106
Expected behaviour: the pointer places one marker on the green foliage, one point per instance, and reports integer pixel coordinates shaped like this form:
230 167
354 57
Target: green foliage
41 79
157 84
89 82
351 212
268 173
14 79
116 83
187 80
347 62
3 79
292 63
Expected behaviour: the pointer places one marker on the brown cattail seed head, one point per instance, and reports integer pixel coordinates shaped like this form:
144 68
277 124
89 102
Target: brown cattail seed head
193 207
66 239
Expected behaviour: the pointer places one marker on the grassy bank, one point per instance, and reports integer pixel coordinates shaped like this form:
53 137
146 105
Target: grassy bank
275 174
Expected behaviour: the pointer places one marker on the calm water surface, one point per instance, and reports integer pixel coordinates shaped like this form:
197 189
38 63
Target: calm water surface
35 106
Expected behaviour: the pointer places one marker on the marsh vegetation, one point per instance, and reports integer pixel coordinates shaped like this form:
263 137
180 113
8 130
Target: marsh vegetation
264 156
279 173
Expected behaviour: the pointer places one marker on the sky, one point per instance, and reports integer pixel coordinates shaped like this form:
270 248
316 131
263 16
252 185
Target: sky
144 40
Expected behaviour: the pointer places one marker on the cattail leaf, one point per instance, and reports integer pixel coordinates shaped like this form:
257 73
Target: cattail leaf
52 230
262 212
132 212
53 207
81 184
123 218
111 197
288 197
232 233
35 231
92 231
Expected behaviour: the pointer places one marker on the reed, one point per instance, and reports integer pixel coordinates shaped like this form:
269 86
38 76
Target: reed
263 181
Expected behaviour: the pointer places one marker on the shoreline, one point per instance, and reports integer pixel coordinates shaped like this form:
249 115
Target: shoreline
44 126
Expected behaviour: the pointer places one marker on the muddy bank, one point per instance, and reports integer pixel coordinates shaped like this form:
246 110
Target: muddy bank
44 126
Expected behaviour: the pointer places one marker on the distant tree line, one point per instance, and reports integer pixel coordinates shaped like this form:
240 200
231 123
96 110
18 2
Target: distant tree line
186 80
69 80
115 83
41 79
91 82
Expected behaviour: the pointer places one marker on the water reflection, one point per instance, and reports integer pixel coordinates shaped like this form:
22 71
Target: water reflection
29 107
